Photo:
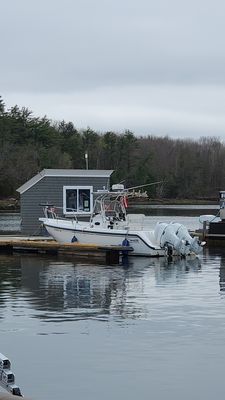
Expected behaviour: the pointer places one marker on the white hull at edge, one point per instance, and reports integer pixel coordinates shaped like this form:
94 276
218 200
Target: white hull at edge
142 241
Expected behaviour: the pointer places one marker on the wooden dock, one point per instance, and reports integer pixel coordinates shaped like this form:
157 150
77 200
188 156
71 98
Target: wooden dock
214 240
211 239
111 254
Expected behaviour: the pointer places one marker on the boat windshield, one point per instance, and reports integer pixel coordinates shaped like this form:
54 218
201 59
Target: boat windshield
110 205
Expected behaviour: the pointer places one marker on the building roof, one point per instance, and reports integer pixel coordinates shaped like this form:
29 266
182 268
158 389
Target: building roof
90 173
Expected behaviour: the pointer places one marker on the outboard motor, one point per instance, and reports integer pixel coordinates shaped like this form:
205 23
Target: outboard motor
165 235
4 362
7 376
182 233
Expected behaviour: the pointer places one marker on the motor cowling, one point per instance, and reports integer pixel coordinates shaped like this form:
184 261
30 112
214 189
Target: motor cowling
182 233
165 235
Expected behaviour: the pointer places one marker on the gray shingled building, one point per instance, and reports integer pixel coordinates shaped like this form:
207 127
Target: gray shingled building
70 190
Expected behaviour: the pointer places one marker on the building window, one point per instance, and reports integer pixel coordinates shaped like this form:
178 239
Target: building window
77 199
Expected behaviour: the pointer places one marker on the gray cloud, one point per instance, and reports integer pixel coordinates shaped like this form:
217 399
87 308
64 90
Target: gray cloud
150 66
187 110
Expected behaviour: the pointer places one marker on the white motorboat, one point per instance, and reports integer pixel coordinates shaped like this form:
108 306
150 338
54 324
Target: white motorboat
7 378
109 224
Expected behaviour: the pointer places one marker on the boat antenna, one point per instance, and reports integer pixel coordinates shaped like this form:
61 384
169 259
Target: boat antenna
147 184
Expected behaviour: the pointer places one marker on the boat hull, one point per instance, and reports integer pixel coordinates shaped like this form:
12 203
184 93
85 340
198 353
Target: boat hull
140 243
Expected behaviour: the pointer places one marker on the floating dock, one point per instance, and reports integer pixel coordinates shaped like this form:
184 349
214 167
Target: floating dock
43 245
211 239
214 239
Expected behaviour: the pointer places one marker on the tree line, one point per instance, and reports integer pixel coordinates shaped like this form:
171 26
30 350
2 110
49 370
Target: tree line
188 168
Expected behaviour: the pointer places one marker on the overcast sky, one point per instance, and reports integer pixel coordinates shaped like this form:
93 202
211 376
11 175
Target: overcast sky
154 67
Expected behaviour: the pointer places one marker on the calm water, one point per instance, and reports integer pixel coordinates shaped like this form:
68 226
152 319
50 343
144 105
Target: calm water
9 222
148 330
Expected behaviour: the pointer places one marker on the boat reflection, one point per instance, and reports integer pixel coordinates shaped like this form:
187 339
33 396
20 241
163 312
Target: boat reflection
222 275
217 254
66 290
88 290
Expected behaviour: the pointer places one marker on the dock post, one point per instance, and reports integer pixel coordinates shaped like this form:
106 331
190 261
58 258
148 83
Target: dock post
204 230
112 257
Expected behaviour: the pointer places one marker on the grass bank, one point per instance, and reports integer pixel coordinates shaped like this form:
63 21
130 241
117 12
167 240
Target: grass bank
10 204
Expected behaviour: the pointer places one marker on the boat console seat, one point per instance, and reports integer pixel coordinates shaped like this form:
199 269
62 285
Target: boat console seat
135 219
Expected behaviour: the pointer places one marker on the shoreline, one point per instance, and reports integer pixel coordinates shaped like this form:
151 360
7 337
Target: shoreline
9 205
12 205
166 202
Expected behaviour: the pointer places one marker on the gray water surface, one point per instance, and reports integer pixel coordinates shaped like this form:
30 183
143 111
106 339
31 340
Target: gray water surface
148 329
9 222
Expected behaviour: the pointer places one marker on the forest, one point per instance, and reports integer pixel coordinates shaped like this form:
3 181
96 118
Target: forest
189 169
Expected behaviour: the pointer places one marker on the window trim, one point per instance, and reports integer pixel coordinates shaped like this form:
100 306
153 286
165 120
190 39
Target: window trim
77 188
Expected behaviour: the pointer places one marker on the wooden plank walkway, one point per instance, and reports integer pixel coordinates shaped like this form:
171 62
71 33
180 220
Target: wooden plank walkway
212 239
49 246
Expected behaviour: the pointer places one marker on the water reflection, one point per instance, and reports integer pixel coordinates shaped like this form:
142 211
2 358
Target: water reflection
64 290
10 280
222 274
126 324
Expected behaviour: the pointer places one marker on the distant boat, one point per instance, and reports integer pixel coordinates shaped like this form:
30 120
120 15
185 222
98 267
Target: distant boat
215 224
